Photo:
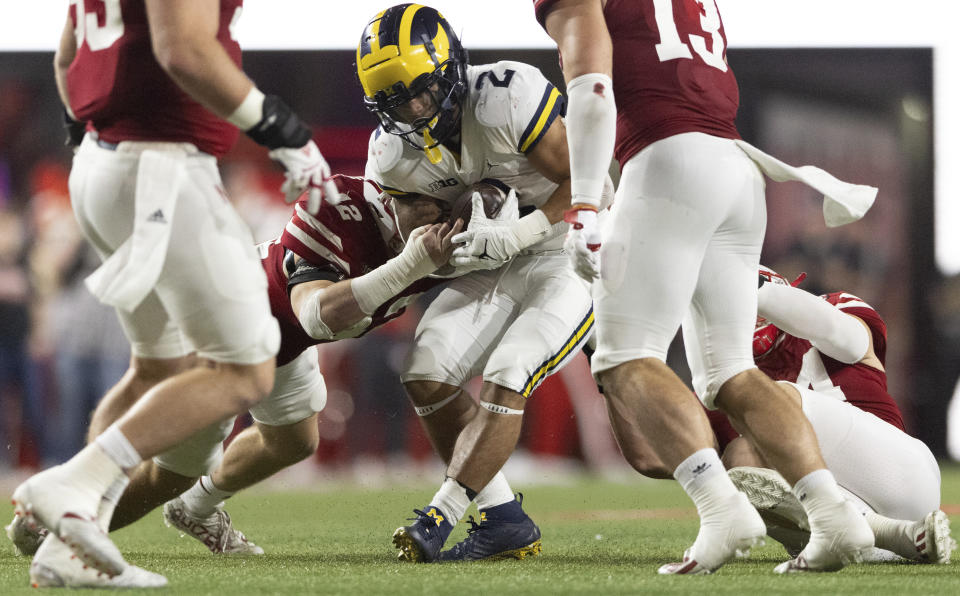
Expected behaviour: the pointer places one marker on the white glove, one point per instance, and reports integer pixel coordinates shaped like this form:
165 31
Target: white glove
583 242
307 171
489 243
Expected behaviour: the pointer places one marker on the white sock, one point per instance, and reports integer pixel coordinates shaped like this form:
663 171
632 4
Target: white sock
591 131
895 535
496 492
93 467
203 498
109 501
705 480
118 448
452 499
819 493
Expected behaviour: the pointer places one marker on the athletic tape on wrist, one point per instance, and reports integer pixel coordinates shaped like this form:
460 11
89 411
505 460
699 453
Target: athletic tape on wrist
498 409
249 112
532 228
426 410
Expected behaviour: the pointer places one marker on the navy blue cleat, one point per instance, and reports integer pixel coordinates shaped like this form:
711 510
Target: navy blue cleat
421 541
504 532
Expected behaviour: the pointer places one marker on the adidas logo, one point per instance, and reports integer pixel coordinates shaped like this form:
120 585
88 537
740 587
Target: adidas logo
157 217
701 468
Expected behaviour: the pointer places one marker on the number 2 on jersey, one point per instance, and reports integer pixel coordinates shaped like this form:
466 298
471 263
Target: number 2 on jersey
671 47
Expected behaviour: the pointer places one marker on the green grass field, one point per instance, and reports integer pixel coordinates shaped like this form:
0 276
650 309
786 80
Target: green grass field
598 538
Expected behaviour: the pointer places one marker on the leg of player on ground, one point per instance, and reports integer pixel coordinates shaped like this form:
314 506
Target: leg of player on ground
874 462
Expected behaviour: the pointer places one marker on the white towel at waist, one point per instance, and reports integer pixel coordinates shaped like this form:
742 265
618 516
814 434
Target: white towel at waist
130 273
843 202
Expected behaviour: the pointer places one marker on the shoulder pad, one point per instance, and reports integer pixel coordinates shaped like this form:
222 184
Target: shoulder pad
493 85
384 151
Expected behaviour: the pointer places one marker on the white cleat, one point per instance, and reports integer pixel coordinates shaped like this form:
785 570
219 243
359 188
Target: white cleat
717 543
25 540
933 541
216 531
49 499
55 566
847 540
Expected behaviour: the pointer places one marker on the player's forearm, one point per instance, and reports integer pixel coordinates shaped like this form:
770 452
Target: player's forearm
327 310
835 333
558 203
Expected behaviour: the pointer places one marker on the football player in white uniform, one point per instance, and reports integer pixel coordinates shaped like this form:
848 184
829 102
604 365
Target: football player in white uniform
444 125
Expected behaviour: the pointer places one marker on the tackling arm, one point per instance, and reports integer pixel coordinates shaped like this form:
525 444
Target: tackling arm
327 310
840 336
337 310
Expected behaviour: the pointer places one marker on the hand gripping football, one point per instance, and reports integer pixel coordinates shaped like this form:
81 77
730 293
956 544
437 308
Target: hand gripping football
493 192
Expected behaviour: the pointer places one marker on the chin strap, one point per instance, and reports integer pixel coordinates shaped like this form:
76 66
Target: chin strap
433 152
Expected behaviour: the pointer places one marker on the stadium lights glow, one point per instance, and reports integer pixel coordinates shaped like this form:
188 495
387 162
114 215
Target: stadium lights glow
325 24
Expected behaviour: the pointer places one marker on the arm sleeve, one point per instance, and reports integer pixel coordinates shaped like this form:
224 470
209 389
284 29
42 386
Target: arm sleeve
801 314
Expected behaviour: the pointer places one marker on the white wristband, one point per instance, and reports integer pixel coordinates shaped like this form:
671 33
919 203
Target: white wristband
532 228
249 112
386 281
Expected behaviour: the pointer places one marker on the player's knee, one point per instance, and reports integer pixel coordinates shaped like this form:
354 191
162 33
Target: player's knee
150 371
425 393
291 443
250 382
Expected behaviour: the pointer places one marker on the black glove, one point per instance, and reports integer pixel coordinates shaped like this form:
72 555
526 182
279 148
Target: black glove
75 130
279 126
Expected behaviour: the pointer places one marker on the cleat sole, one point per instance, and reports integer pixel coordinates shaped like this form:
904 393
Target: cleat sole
409 549
534 549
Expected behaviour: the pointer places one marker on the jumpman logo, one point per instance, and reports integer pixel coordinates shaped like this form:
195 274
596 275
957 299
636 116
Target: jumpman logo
485 254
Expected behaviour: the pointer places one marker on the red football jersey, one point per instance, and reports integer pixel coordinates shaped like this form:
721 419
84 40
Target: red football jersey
670 71
348 239
796 360
115 83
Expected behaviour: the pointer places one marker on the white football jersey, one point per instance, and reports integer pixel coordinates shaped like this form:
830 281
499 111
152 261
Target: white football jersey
507 110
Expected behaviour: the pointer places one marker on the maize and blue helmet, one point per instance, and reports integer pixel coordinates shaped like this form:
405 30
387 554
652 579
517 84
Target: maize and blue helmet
407 52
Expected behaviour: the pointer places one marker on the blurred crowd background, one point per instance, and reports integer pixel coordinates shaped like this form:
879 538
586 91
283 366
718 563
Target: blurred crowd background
863 115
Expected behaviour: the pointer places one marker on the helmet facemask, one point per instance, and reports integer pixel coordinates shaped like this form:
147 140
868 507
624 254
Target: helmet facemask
425 115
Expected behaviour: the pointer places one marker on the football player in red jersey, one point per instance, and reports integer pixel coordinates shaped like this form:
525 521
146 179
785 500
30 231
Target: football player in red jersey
829 352
685 233
327 273
159 88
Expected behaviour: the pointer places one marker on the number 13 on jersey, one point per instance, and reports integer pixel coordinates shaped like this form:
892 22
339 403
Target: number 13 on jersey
671 47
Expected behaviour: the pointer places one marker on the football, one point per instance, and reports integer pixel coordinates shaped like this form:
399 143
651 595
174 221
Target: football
494 194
